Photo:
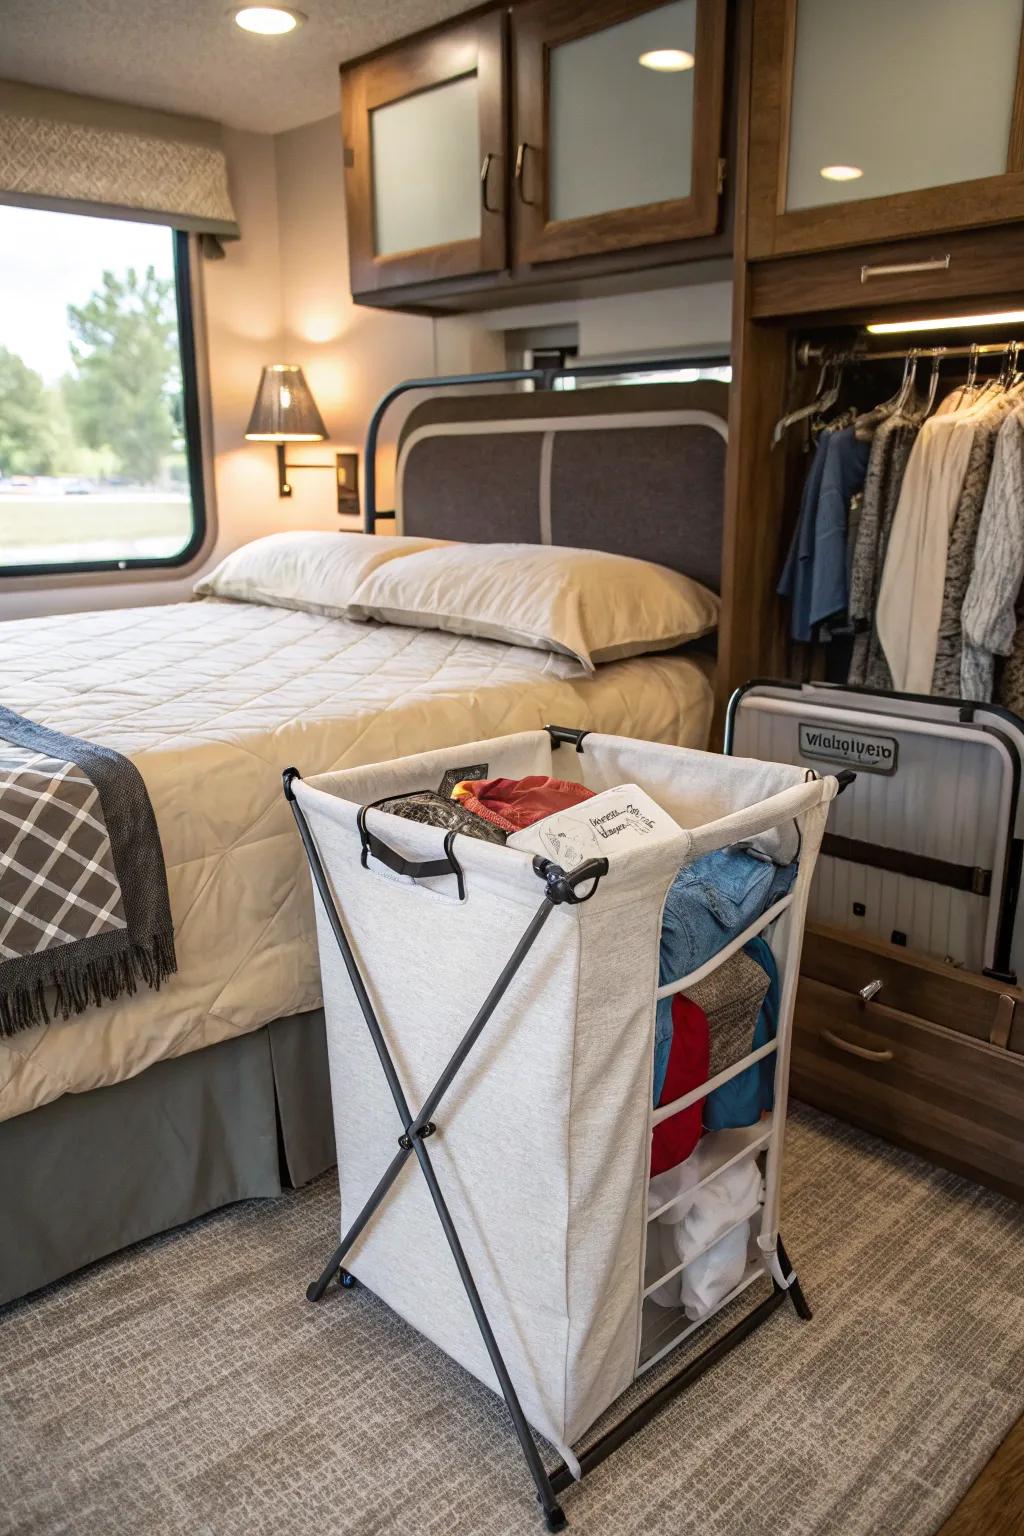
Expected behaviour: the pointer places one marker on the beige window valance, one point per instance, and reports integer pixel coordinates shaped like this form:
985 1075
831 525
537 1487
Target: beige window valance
77 154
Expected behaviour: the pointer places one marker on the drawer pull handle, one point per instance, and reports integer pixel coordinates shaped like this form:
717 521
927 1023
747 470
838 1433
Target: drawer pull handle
871 990
898 268
854 1050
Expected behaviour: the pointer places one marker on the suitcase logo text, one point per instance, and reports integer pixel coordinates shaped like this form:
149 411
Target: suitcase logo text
853 749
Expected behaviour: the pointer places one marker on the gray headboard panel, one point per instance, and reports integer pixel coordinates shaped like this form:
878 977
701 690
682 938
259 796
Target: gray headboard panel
634 469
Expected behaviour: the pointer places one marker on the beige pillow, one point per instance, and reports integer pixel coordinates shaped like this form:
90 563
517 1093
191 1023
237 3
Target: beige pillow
581 602
315 572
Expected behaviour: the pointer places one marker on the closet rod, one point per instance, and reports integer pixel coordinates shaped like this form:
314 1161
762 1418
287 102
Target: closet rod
807 354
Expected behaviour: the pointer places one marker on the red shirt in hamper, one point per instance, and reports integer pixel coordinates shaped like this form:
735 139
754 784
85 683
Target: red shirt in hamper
513 804
689 1061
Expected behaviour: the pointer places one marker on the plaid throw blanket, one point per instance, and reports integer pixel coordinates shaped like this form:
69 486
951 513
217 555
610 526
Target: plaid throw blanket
84 911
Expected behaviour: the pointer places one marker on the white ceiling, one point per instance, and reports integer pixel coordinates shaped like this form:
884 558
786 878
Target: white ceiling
189 56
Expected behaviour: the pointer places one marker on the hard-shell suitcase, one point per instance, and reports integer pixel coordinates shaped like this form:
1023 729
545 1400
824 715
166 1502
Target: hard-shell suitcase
927 854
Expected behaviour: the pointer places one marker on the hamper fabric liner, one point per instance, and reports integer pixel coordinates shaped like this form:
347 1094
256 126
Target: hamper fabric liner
543 1140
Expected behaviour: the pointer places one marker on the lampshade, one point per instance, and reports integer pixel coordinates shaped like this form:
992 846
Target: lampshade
284 410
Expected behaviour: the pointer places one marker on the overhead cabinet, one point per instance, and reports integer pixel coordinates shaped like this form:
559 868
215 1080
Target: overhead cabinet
609 142
425 130
618 114
876 121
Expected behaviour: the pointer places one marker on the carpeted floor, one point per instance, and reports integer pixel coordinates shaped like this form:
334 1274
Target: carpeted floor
185 1388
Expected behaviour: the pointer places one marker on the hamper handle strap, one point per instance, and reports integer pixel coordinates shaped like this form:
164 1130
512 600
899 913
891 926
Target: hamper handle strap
427 869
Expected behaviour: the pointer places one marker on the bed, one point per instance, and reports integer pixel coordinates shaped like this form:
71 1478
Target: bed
150 1110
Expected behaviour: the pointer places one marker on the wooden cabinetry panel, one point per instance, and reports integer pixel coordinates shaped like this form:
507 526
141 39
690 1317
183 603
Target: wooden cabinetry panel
914 983
908 277
472 51
776 230
539 27
957 1100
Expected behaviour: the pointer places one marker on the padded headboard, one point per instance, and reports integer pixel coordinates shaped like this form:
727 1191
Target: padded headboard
635 469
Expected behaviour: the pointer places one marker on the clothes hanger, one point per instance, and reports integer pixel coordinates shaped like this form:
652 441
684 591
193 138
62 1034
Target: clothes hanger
972 366
825 398
933 382
909 379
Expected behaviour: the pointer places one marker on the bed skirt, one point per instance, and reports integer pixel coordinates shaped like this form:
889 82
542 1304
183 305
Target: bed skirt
93 1172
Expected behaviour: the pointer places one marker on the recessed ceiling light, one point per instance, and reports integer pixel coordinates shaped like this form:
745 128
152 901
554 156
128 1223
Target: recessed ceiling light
667 60
268 20
950 322
841 172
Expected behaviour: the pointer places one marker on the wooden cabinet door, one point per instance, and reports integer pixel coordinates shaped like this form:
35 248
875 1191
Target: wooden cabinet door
876 121
425 129
617 124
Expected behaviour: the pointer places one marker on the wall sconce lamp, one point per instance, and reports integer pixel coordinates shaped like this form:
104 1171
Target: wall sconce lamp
284 411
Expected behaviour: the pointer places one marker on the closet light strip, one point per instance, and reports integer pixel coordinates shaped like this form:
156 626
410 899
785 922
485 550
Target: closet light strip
756 1271
685 1263
665 1110
750 1148
720 956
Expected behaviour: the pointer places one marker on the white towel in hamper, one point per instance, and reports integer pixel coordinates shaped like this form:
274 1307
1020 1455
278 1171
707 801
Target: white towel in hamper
715 1273
689 1227
542 1143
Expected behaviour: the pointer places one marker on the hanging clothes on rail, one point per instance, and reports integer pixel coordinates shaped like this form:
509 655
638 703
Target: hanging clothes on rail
891 444
815 575
962 543
910 593
989 613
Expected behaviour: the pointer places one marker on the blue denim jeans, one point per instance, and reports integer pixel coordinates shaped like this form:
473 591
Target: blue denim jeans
710 902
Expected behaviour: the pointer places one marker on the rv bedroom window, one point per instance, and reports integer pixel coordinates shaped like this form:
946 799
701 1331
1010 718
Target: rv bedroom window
100 465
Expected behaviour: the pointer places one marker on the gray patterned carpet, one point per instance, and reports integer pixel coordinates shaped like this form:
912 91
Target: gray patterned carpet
186 1389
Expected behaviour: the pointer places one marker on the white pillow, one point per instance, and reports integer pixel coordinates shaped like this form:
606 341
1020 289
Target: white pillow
315 572
581 602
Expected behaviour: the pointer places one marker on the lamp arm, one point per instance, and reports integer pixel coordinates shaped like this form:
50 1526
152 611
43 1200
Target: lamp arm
347 491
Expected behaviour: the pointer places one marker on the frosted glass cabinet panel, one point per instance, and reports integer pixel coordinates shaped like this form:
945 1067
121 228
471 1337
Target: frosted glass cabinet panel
621 131
426 168
889 98
425 127
881 120
618 124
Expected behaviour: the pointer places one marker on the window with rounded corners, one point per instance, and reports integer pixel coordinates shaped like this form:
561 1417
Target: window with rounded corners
100 454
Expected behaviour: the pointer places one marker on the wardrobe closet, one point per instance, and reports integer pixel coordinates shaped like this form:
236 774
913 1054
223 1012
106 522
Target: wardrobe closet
883 185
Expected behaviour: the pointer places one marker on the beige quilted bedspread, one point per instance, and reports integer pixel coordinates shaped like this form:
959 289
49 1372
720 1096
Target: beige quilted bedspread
212 700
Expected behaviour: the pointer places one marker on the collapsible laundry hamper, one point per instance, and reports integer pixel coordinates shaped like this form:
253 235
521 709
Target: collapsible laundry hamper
492 1016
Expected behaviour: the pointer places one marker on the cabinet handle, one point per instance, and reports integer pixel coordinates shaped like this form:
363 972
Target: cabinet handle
897 268
851 1049
521 149
484 173
871 990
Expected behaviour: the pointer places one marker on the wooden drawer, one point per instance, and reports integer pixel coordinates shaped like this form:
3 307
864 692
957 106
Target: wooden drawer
957 1100
916 984
961 267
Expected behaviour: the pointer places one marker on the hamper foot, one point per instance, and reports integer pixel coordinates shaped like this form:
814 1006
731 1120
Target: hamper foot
799 1301
796 1295
555 1519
